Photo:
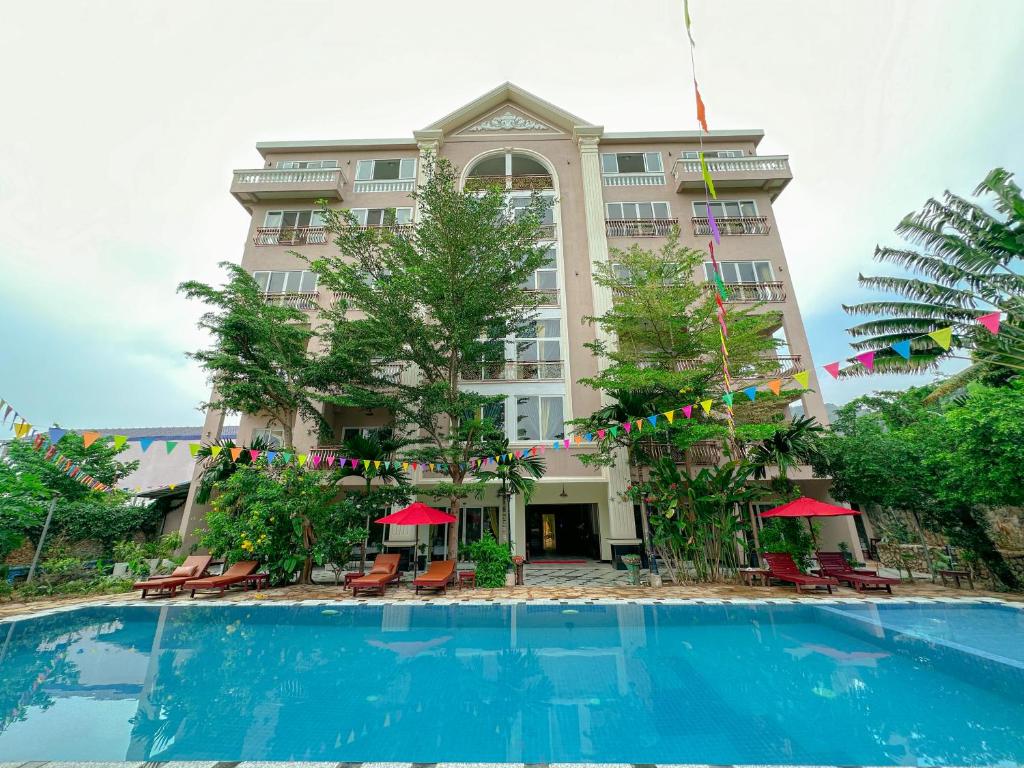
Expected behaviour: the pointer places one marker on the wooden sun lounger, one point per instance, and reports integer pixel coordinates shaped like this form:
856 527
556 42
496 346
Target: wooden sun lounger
834 564
782 567
236 574
383 572
193 567
437 576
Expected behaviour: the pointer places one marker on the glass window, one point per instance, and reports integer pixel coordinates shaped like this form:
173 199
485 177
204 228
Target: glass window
407 169
272 436
741 271
545 277
307 164
364 170
726 208
634 211
386 170
382 217
380 433
608 164
291 281
652 161
543 345
632 162
539 418
621 272
520 204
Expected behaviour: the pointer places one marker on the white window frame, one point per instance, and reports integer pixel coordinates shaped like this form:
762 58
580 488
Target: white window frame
367 431
306 165
649 163
316 218
543 401
712 154
273 433
709 271
403 215
721 203
531 283
406 168
304 276
637 204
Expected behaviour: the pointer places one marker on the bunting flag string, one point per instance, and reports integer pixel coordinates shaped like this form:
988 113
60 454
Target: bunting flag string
941 336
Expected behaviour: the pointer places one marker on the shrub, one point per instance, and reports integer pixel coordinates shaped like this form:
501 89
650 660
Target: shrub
492 561
789 534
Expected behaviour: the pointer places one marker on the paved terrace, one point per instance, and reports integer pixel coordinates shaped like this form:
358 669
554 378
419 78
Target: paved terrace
543 582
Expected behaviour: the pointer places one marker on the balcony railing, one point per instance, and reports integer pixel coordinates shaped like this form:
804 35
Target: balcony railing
547 297
290 236
524 182
547 232
768 172
282 184
294 299
733 225
755 292
389 185
703 452
639 227
514 370
402 229
633 179
334 462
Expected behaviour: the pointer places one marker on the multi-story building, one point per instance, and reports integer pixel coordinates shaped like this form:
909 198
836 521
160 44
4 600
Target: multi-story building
608 190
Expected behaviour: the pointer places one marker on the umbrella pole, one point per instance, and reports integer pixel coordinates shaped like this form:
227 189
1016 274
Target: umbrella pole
416 553
814 539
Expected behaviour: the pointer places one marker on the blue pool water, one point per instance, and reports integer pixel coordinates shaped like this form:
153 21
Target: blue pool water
834 684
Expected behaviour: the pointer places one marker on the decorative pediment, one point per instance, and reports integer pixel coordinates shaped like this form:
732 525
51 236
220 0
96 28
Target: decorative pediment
508 121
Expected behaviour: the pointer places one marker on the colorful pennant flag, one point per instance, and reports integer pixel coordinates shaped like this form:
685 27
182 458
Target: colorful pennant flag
701 114
727 399
145 442
88 438
943 337
687 410
235 453
170 445
867 359
750 392
990 321
902 348
707 179
775 386
56 434
193 449
833 368
119 441
706 406
803 378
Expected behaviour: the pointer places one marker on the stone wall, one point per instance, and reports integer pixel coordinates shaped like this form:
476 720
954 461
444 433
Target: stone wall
893 555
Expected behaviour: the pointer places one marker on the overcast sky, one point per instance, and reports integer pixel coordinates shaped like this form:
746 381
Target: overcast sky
122 122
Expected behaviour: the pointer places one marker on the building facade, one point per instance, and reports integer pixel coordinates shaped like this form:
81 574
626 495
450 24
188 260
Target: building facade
608 190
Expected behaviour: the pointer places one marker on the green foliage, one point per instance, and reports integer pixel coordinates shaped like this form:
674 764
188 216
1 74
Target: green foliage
793 444
944 462
28 481
968 265
438 297
259 362
218 468
492 561
696 521
136 555
339 531
790 535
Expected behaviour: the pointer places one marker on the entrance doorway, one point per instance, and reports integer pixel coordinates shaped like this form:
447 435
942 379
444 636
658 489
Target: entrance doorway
556 531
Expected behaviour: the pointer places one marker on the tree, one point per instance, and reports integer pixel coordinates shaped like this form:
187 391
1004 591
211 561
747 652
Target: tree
28 481
217 469
793 445
259 361
419 307
946 462
968 265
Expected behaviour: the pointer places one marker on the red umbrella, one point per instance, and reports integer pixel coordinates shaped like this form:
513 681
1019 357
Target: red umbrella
417 513
804 507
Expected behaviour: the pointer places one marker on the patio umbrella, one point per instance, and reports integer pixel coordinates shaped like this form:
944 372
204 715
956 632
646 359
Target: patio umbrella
804 507
417 513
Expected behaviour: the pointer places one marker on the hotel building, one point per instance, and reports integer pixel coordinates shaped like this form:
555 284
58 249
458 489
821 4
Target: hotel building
608 190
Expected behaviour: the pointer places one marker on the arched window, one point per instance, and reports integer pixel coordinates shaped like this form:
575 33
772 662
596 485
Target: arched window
510 170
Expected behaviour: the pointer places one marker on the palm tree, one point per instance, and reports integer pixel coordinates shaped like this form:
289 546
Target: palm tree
518 474
217 469
380 452
968 265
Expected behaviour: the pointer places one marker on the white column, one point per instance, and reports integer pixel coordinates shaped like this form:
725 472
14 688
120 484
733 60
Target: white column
620 511
429 142
194 515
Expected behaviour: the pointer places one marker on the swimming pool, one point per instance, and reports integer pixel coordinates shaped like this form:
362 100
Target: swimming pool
824 683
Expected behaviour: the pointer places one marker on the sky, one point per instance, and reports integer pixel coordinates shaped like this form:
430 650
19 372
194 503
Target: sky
123 122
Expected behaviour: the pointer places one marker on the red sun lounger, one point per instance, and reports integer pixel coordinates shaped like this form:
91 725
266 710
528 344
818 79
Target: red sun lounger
782 567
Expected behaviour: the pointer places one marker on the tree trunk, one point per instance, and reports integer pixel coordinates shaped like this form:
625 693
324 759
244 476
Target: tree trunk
308 540
973 536
453 528
924 543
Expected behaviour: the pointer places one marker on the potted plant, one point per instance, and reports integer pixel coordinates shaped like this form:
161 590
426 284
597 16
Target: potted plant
632 563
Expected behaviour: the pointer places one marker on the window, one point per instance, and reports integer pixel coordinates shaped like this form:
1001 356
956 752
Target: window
545 277
310 165
370 433
741 271
726 209
710 153
295 281
293 219
622 272
386 170
475 522
539 350
632 162
495 412
382 217
271 436
539 418
634 211
520 204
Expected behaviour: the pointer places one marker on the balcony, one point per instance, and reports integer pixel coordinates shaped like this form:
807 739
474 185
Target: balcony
385 185
702 453
536 182
773 292
770 173
294 299
290 236
546 297
738 225
633 179
514 370
639 227
265 184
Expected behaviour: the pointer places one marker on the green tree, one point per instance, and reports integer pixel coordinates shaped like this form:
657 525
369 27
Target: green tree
419 307
967 263
791 446
217 469
946 462
259 362
518 475
28 481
